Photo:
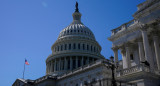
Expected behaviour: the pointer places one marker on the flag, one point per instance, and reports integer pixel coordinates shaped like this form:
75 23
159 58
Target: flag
26 62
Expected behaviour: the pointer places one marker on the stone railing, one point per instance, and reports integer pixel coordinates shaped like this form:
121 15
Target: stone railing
145 5
44 78
132 70
81 68
124 26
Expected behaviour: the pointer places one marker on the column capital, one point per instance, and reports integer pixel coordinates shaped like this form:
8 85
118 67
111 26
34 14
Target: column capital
154 33
122 50
155 23
139 40
144 27
127 45
115 48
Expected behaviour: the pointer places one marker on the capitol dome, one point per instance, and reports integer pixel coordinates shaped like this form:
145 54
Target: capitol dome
75 47
76 28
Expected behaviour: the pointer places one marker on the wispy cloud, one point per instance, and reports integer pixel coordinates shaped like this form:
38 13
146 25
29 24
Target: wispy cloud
44 4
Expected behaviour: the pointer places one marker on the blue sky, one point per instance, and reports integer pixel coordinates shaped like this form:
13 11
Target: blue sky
28 28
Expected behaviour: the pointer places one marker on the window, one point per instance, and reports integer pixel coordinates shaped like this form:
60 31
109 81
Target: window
87 47
79 46
61 47
65 47
91 47
69 46
83 46
74 46
68 64
58 48
131 56
76 84
94 49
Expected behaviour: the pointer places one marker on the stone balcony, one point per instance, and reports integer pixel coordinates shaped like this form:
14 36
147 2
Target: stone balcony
124 27
133 70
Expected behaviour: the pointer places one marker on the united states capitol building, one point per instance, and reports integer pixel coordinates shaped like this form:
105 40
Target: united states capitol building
76 59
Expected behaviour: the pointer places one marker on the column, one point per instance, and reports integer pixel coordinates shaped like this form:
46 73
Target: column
76 61
55 65
157 50
71 63
128 57
60 64
82 61
52 66
49 63
124 60
115 50
46 68
65 63
148 56
141 51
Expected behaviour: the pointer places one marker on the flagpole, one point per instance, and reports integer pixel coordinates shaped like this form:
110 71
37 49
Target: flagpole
24 70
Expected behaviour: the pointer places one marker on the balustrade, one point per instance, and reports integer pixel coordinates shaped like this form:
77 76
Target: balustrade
134 69
123 27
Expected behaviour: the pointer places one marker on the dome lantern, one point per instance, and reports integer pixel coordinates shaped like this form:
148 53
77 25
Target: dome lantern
76 15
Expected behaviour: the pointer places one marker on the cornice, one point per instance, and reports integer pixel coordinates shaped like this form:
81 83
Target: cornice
51 57
124 32
147 10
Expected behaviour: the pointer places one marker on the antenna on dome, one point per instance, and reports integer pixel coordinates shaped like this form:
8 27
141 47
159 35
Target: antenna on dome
76 10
